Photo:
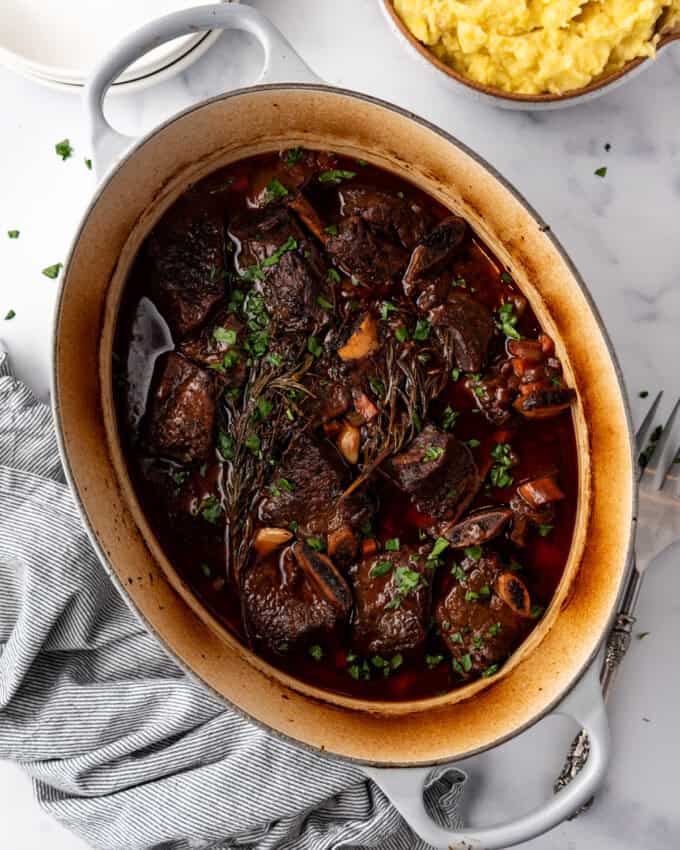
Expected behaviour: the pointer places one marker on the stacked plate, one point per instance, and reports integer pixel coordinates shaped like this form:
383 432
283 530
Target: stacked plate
57 43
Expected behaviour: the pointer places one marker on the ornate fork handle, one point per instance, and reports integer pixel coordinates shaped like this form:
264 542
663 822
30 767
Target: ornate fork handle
616 648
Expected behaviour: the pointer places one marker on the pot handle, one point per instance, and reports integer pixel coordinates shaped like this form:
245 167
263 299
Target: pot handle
281 64
404 786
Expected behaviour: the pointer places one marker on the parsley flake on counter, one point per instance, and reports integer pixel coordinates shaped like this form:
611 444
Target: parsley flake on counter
10 314
88 164
643 393
64 149
53 271
13 234
601 172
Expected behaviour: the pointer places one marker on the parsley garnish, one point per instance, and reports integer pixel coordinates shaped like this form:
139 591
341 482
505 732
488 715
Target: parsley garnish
499 475
440 546
333 275
489 671
433 661
64 149
316 652
224 335
225 445
474 553
422 330
432 453
401 334
449 418
324 302
601 172
386 308
507 320
211 510
316 543
275 191
13 234
380 569
253 443
545 529
314 346
293 155
458 572
467 663
455 374
392 545
377 386
53 271
331 230
10 314
336 175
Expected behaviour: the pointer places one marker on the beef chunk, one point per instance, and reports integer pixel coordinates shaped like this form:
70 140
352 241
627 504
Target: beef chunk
495 393
299 597
360 253
471 327
315 477
434 252
185 262
218 346
478 628
400 219
477 528
180 415
392 602
291 273
438 472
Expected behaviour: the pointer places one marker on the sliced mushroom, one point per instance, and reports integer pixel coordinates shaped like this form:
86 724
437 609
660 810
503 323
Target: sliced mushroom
363 342
544 403
514 593
268 539
435 251
477 528
321 570
349 442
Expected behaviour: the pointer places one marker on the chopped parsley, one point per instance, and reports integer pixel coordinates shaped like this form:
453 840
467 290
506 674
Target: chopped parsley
473 443
449 418
336 175
205 569
544 529
506 277
494 629
64 149
275 359
13 234
456 637
433 661
381 569
314 346
53 271
432 453
458 572
455 374
422 330
331 230
507 320
471 596
226 445
601 171
643 393
333 275
499 474
474 553
407 581
324 302
256 272
211 510
253 443
275 191
377 387
316 652
88 164
228 337
386 308
392 545
401 334
489 671
466 661
440 546
316 543
536 611
293 155
10 314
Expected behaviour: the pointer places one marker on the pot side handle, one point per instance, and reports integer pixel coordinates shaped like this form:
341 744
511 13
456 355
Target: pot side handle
281 64
404 786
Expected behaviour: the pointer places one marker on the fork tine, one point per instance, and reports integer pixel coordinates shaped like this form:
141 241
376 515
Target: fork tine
664 453
644 432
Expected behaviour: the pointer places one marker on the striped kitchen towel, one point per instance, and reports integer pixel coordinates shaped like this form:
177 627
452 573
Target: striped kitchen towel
122 747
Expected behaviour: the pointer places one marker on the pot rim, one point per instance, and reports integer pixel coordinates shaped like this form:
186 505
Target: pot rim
99 548
517 99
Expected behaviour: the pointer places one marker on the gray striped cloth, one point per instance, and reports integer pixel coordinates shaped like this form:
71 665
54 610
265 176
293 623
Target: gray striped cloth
122 747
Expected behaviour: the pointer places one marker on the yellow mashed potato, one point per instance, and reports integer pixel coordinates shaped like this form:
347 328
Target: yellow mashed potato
536 46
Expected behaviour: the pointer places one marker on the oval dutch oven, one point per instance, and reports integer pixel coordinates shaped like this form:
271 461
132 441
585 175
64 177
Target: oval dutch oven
397 743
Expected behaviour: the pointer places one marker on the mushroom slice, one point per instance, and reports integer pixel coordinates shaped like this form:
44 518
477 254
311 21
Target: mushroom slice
544 403
321 570
479 527
269 539
435 250
514 593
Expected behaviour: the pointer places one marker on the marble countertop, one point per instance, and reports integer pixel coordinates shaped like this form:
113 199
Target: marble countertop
621 231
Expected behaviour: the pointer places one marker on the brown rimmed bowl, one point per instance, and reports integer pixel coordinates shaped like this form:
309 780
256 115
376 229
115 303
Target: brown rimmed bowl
511 100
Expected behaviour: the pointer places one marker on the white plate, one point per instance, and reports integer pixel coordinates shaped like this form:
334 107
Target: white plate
132 86
62 40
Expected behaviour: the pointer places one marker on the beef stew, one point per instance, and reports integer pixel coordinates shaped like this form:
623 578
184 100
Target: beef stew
345 425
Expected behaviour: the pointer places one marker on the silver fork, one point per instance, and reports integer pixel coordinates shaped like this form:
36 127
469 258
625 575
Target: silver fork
657 527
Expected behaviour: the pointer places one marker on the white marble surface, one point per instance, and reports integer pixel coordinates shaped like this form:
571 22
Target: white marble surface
621 231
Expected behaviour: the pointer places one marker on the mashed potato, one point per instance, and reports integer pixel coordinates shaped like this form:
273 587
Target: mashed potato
536 46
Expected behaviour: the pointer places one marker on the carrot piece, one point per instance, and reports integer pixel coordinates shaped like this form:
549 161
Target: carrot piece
369 547
540 491
547 345
363 342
